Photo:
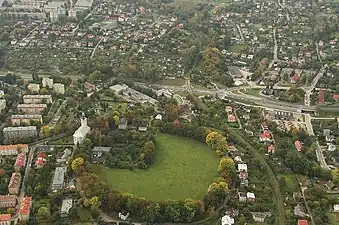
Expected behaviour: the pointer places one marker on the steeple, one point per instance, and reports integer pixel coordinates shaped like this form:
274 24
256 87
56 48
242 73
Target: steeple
83 120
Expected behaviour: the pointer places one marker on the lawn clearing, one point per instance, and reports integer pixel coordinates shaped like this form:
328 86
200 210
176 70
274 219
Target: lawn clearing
291 182
62 141
236 48
183 168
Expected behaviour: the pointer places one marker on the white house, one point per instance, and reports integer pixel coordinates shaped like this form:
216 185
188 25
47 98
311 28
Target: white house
80 134
158 117
227 220
336 208
242 167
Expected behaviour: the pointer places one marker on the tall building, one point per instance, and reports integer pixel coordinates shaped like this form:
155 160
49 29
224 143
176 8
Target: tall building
31 108
7 201
47 82
59 178
37 99
27 119
59 88
13 149
15 133
5 219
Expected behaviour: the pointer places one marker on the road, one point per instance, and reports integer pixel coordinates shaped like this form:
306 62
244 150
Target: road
95 48
240 32
318 151
308 90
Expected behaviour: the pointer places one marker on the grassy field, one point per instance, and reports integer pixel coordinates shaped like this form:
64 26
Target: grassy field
62 141
183 168
254 92
291 182
236 48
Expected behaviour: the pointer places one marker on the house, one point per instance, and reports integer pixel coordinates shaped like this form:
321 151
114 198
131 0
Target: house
237 159
25 208
242 197
158 117
59 88
13 149
260 216
143 126
250 196
33 87
295 79
321 96
67 153
231 119
5 219
231 148
298 211
123 217
270 149
336 208
80 134
65 206
246 117
243 175
228 109
20 161
265 136
123 124
41 159
47 82
227 220
14 184
242 167
59 178
331 147
264 126
335 97
7 201
302 222
98 152
89 87
329 184
298 145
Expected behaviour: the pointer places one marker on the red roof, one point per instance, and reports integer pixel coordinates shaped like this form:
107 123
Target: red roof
298 145
25 206
335 96
302 222
295 78
20 160
231 118
271 148
41 155
321 96
13 147
5 217
15 180
5 198
267 134
40 161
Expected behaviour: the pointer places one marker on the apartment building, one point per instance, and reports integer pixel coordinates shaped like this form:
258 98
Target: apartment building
15 133
37 99
20 161
5 219
7 201
14 184
13 149
47 82
33 87
25 208
59 88
26 119
31 108
59 178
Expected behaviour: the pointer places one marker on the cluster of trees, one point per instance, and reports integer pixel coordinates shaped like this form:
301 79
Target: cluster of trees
217 142
130 148
292 95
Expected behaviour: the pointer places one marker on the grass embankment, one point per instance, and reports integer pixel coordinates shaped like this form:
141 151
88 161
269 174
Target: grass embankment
281 220
183 168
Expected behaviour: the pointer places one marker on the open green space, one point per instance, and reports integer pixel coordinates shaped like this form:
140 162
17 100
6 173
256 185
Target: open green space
236 48
332 219
62 141
254 92
291 182
183 168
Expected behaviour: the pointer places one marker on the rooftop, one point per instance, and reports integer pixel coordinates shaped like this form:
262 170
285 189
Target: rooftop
66 205
13 147
20 160
32 106
37 96
5 198
59 175
25 206
5 217
26 116
7 129
101 149
15 180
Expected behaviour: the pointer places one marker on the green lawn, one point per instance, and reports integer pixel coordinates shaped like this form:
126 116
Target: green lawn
333 219
183 168
254 92
291 182
236 48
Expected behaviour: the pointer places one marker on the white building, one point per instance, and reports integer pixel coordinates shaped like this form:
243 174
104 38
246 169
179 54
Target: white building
242 167
2 104
80 134
33 87
37 99
59 88
15 133
2 94
65 206
31 108
13 149
47 82
83 5
227 220
18 119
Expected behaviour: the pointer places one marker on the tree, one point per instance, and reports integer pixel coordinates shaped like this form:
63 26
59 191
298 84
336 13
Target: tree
226 168
43 215
43 91
335 176
216 141
10 211
95 203
172 112
78 162
45 131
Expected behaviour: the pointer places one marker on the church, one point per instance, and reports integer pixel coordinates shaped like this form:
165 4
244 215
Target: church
80 134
